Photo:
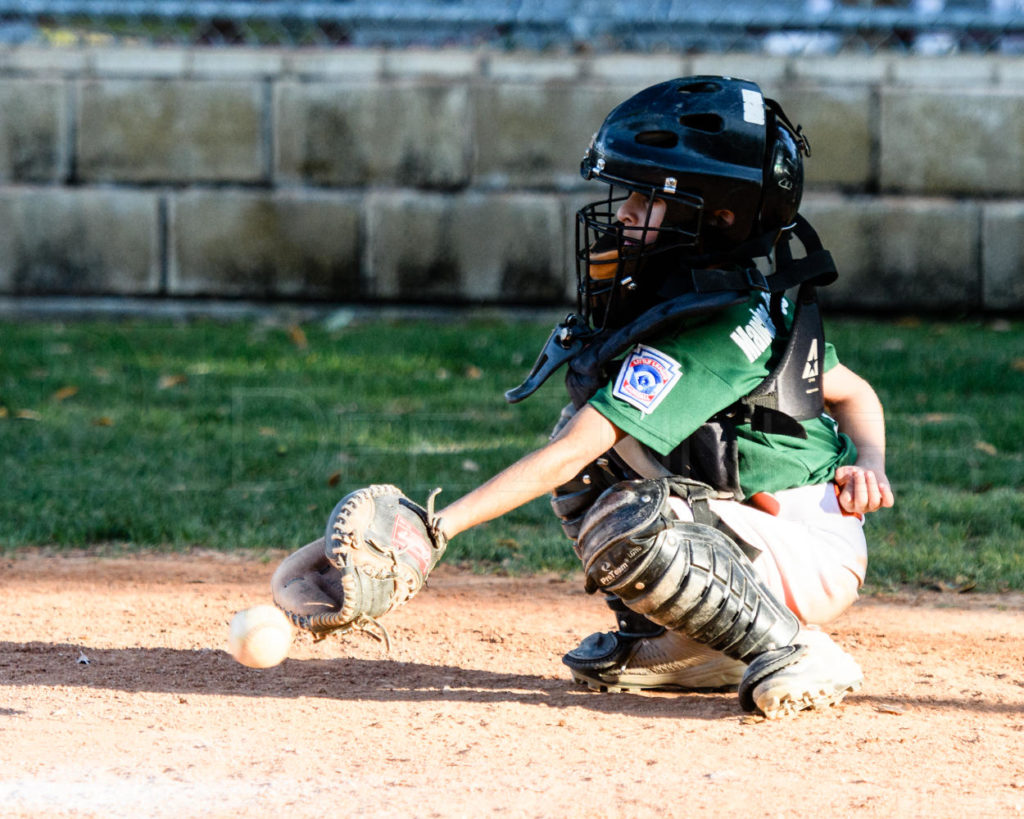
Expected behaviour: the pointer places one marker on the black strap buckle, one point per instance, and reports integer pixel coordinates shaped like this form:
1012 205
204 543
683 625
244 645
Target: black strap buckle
756 280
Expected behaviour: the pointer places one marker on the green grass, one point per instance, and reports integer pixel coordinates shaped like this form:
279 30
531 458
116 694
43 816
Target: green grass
141 434
952 395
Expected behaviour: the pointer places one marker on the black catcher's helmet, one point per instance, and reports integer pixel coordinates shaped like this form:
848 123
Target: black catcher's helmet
701 144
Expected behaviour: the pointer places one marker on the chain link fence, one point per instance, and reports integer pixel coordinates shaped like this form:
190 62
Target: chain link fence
688 26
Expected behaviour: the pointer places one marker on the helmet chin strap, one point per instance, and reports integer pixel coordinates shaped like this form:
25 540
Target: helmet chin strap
752 248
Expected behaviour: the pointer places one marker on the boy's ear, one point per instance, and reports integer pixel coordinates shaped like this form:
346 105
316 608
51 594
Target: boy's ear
722 218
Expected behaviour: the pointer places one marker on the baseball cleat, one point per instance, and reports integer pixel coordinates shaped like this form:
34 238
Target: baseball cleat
812 673
669 661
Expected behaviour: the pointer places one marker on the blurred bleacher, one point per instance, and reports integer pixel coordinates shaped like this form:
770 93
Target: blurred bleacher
773 26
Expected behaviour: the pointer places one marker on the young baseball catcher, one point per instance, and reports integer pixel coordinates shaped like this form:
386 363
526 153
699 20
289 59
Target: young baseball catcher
716 461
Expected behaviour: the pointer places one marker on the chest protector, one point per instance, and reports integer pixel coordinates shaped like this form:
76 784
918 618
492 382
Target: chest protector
791 392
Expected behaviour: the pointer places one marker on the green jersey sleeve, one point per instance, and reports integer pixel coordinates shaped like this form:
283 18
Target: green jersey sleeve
665 390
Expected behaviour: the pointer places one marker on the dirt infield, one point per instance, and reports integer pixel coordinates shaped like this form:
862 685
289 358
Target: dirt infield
117 699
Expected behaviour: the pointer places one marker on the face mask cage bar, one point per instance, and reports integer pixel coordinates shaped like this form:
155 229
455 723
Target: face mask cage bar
609 256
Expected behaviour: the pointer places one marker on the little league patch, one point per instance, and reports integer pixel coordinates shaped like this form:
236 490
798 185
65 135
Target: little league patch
646 377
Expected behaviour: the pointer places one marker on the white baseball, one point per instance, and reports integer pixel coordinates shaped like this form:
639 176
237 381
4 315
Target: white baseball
260 636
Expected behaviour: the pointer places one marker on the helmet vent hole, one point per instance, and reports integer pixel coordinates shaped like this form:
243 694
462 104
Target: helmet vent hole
657 139
708 123
699 88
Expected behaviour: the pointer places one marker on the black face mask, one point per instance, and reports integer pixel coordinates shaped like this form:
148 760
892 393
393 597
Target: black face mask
618 277
632 284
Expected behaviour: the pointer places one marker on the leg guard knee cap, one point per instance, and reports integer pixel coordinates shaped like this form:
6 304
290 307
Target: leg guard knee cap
571 501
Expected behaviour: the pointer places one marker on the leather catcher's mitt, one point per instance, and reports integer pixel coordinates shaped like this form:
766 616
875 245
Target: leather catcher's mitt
377 552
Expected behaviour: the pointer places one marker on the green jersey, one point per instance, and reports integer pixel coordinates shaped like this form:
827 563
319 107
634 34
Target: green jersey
666 389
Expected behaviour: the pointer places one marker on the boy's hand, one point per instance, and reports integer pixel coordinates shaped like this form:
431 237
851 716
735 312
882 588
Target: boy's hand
862 490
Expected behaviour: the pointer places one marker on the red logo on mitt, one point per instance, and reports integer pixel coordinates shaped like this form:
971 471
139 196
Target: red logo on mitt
407 538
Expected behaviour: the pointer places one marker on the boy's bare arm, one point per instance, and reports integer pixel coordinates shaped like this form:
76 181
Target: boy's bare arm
854 404
586 437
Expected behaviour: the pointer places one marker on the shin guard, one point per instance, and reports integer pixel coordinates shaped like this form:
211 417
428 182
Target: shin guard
685 576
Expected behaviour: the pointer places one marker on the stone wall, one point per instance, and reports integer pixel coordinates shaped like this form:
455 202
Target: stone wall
404 176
